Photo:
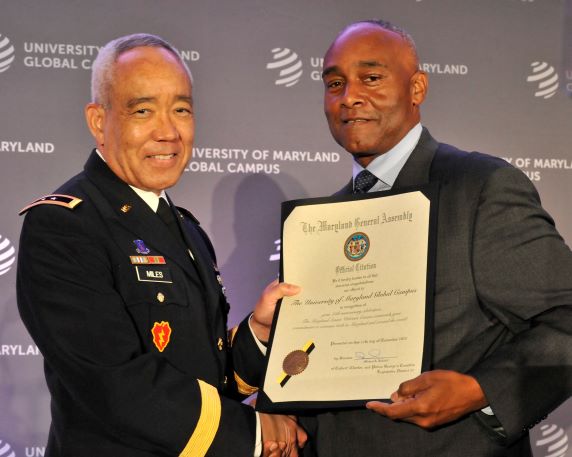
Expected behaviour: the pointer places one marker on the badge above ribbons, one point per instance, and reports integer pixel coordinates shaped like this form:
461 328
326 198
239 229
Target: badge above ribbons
161 332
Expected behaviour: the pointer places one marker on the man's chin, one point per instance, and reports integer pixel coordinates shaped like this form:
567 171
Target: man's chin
364 158
360 154
159 185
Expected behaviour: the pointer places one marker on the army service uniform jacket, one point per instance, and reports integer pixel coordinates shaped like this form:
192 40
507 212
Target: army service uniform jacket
133 332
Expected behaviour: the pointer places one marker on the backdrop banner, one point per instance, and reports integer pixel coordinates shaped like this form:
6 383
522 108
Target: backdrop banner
500 82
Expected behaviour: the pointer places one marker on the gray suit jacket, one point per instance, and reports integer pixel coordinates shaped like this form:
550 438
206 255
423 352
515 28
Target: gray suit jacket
503 313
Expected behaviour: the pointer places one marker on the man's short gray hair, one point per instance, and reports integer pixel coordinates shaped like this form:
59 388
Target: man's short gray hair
102 68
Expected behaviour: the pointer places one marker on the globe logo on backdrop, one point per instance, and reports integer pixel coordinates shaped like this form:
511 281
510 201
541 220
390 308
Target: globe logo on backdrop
546 78
288 64
554 442
6 53
7 259
6 450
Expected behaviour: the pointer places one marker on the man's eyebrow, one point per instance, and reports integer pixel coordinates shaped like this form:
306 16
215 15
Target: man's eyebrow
132 102
371 63
185 98
328 70
361 63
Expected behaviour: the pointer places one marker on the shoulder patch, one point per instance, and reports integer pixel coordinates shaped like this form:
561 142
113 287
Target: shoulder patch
67 201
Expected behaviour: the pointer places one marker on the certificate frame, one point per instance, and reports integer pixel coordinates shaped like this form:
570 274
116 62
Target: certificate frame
295 405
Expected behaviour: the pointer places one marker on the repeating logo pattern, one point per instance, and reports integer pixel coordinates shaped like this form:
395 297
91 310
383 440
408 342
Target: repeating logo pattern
289 65
554 441
7 257
6 450
546 77
7 54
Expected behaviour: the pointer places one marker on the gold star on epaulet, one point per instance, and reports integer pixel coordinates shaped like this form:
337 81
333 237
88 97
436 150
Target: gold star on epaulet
54 199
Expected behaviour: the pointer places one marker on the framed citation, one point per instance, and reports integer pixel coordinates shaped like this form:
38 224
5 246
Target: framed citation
362 322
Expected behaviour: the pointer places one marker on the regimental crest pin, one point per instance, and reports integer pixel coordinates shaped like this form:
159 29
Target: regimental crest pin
161 332
140 247
356 246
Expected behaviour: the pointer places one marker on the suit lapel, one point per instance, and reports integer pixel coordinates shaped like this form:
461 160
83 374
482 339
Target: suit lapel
417 169
347 189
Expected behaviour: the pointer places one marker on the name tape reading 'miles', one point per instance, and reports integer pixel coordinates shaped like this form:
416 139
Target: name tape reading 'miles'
66 201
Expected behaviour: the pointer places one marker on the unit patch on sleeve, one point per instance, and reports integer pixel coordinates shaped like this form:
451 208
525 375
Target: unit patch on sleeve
66 201
161 332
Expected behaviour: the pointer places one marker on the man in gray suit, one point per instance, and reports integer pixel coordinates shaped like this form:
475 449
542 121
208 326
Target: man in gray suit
502 352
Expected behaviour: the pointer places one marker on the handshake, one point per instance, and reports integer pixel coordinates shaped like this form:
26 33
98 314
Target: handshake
281 435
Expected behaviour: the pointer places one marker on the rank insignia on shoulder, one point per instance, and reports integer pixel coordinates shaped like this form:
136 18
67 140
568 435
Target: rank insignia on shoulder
68 201
161 332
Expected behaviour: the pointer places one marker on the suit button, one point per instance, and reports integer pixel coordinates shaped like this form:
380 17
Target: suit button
160 297
220 344
225 382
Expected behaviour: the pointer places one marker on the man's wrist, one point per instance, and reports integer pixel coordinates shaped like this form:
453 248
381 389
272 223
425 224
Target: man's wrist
258 438
261 331
261 344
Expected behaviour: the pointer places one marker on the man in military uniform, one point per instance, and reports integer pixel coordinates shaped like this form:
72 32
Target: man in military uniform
121 292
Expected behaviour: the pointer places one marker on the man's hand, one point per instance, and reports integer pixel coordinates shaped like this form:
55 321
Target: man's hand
433 398
264 309
281 435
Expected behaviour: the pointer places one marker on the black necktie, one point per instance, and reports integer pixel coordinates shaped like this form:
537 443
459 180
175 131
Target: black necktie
166 214
364 181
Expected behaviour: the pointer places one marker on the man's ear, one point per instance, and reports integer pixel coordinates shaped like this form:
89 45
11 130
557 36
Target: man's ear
419 84
95 118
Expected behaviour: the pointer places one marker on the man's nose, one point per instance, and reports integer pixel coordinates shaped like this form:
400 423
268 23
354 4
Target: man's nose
351 95
165 130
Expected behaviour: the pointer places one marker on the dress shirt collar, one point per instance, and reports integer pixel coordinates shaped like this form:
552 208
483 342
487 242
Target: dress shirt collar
149 197
387 166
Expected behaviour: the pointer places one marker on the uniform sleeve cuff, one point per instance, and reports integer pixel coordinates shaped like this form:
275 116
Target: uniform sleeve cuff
260 345
258 438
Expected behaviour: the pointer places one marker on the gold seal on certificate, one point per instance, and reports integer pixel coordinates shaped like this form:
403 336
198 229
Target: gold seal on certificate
365 267
295 362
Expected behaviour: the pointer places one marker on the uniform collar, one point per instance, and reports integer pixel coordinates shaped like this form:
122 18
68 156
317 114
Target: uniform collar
149 197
